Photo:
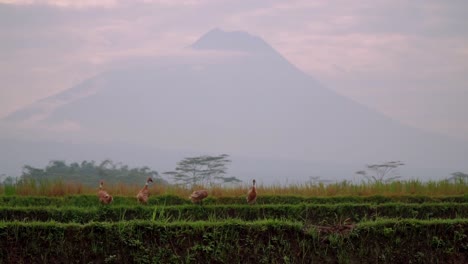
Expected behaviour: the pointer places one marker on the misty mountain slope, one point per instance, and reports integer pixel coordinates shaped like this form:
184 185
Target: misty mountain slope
217 39
251 103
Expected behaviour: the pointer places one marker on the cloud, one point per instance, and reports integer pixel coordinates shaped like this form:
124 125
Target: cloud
64 3
81 4
368 50
406 59
364 37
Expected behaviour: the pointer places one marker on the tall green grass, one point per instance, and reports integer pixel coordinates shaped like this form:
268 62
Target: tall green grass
308 213
162 200
345 188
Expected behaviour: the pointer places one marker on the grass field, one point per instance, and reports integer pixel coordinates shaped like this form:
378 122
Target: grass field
400 222
344 188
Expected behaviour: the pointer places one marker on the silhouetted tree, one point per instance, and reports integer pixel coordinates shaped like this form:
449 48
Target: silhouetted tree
458 176
315 180
382 173
202 170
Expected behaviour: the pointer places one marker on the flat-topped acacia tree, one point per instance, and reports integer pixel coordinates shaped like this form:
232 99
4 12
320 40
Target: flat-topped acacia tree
202 170
382 173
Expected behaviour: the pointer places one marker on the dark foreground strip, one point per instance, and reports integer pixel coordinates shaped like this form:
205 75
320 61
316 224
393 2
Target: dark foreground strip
268 241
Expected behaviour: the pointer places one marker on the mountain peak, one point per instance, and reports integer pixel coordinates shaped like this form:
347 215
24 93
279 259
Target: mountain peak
218 39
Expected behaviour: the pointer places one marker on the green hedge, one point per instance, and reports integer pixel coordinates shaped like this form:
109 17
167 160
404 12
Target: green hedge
92 200
313 213
268 241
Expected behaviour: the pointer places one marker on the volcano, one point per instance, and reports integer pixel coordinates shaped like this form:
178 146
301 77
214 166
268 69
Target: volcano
233 94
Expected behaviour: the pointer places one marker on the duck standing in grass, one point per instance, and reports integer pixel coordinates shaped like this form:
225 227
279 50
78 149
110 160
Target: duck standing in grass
198 196
252 194
144 194
104 197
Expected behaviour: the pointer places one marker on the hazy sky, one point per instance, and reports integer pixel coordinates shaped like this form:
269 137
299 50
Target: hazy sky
407 59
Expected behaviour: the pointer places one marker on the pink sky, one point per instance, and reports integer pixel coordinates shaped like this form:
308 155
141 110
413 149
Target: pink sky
408 60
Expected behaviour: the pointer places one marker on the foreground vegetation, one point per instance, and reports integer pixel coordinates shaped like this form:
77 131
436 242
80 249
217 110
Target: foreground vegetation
398 222
163 200
308 213
234 241
30 187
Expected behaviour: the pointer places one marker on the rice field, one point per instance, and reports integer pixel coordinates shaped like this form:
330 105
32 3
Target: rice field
399 222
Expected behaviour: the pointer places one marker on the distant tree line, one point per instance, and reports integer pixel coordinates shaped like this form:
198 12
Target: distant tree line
191 171
90 173
387 172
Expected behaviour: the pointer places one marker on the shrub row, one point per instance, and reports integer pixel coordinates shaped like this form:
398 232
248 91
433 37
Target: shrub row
91 200
311 213
268 241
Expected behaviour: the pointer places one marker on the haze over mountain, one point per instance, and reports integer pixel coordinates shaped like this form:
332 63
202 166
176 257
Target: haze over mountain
231 93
